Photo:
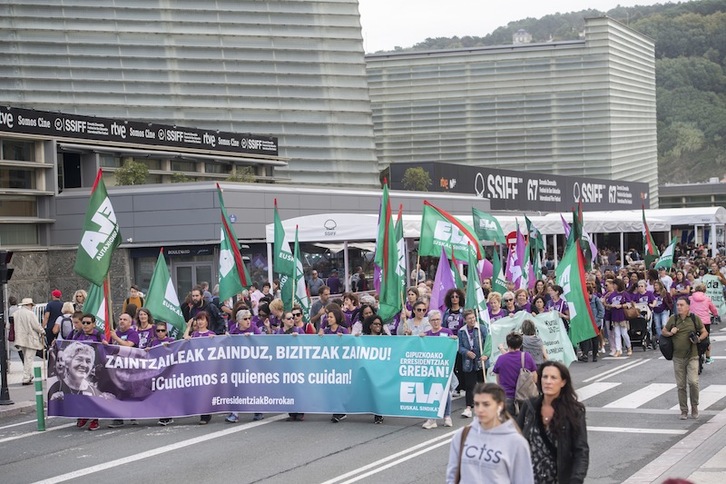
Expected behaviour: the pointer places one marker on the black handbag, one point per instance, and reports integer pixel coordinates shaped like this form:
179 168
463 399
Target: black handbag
665 343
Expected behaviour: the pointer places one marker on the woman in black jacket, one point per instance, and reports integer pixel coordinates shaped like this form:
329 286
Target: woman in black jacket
554 426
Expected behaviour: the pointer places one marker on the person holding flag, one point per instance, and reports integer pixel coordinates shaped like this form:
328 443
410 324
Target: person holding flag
471 343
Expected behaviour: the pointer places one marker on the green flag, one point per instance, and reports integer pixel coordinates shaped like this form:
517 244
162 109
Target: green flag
302 298
233 275
487 227
570 275
536 241
162 299
402 266
441 229
96 304
474 295
666 259
387 256
283 262
101 235
499 282
457 275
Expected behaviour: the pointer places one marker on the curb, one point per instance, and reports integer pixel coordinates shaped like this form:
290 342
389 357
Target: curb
18 408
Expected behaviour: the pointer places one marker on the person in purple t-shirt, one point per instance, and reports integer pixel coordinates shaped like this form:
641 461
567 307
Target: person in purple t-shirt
161 338
507 368
558 304
435 319
244 326
145 328
200 324
125 335
89 332
334 319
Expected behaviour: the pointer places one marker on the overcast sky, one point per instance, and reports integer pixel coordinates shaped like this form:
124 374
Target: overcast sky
390 23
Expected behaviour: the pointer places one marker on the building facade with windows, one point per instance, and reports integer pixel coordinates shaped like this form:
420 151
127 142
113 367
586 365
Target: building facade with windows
293 69
581 108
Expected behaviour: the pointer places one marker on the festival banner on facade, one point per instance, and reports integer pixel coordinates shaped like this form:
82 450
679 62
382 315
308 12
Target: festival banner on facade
394 376
549 327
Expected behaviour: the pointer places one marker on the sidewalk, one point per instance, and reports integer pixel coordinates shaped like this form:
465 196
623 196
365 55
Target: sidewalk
22 396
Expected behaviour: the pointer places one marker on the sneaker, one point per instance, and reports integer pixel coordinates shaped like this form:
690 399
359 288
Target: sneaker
232 418
377 419
338 417
116 424
94 425
684 415
165 421
430 424
448 422
466 413
602 350
203 422
630 351
694 413
258 416
709 361
81 422
594 358
457 393
134 421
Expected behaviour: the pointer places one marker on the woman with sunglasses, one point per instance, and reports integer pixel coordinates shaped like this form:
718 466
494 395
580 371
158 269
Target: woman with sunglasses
417 325
288 325
245 327
508 303
79 299
161 337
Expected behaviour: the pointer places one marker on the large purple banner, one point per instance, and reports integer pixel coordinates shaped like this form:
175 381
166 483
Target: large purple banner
397 376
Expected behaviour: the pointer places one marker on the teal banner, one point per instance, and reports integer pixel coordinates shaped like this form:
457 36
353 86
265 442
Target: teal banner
403 376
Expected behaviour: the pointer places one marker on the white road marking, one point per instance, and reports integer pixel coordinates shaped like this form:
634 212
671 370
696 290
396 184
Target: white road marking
426 446
160 450
22 423
593 389
33 434
708 396
611 370
642 396
630 430
641 362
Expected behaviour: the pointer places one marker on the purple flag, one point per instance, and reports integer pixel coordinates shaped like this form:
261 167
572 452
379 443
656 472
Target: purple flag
486 269
515 259
443 281
377 276
565 227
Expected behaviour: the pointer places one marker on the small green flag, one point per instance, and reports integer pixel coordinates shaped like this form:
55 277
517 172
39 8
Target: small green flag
487 227
666 259
302 298
162 300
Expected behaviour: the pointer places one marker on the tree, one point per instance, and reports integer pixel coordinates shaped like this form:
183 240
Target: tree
244 174
182 178
416 180
132 173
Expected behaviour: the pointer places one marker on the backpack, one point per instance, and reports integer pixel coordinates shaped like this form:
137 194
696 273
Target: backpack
526 387
66 327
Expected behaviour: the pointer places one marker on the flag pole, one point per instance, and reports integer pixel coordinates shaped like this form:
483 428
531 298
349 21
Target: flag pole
109 307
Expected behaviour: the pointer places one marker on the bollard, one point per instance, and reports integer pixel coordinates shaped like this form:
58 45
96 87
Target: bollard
40 411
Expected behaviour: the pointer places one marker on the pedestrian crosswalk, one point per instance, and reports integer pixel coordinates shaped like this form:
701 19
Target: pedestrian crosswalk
616 395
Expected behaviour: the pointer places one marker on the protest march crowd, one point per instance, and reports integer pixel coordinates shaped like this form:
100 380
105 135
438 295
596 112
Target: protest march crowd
529 420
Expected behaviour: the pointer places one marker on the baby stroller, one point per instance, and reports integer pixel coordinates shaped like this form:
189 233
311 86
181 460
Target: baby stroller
638 332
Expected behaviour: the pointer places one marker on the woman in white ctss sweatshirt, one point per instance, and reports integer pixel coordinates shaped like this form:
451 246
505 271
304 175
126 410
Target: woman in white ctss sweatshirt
493 449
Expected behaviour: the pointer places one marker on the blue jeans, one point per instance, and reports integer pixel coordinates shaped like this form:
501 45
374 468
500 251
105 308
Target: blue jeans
660 320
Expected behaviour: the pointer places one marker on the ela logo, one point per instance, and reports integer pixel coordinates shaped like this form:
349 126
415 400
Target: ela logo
415 392
447 232
105 219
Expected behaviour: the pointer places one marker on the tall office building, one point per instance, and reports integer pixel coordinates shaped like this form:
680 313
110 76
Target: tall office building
292 69
580 108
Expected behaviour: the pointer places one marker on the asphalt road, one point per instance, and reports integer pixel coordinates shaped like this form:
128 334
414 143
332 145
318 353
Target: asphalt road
631 421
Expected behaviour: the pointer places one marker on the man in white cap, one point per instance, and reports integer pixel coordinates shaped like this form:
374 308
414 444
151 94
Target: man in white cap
28 336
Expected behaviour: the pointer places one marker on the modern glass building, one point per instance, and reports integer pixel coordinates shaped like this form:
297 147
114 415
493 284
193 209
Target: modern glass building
579 108
292 69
